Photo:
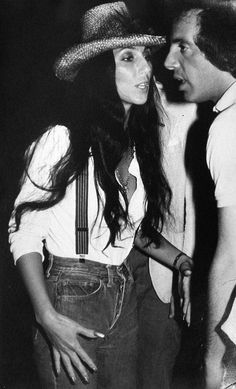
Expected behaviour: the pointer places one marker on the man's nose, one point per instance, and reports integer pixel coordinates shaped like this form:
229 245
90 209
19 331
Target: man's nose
171 61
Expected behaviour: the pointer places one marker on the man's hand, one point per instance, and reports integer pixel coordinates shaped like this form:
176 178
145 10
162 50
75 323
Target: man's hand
64 336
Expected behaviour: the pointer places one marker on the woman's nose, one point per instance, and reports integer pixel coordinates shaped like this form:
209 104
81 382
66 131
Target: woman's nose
145 67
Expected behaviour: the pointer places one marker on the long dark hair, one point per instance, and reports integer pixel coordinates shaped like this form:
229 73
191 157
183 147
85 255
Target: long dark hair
95 118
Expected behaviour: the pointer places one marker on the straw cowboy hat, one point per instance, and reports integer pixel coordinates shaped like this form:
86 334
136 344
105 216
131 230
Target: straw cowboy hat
102 29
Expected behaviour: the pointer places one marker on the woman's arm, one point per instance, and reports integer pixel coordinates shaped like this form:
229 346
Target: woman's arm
165 253
62 331
172 257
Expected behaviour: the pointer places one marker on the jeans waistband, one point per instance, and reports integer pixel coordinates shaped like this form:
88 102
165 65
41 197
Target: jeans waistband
96 268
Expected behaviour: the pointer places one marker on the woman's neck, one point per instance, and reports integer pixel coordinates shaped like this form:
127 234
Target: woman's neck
127 113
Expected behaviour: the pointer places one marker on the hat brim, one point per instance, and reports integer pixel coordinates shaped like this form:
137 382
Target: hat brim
67 66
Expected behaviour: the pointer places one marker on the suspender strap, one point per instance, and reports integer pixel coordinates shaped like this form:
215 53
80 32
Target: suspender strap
82 212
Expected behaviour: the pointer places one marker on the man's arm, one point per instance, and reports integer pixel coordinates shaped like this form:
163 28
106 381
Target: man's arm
222 278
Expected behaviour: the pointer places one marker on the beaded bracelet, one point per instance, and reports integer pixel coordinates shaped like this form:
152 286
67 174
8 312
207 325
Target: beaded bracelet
177 259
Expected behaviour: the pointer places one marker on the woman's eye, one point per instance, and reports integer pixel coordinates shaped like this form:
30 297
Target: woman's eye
147 55
127 58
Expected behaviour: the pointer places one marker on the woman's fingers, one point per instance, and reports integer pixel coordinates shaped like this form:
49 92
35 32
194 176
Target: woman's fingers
84 357
64 334
68 366
188 315
74 356
186 268
89 333
79 349
187 308
172 308
184 294
57 360
73 360
79 366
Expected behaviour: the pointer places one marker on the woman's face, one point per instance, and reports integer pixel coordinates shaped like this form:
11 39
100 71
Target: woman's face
132 74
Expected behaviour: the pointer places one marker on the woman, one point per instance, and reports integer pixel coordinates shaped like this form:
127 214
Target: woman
90 182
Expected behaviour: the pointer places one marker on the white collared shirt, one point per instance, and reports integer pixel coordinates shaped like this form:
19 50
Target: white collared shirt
221 159
56 225
221 149
179 229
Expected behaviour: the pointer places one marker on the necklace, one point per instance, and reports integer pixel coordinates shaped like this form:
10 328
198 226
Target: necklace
124 182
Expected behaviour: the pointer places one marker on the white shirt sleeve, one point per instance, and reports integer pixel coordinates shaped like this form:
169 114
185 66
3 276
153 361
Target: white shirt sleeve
34 225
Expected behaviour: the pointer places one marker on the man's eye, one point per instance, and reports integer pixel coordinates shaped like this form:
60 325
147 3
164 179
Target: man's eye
183 48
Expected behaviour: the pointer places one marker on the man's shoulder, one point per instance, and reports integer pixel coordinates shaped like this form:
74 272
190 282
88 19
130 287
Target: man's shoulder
230 110
226 119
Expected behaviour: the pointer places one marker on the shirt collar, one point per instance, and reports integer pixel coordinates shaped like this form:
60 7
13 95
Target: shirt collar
228 99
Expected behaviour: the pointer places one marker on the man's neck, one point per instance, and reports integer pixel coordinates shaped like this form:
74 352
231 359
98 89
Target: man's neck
224 83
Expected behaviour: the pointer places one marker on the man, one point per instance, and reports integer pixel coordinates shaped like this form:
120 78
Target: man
159 332
202 57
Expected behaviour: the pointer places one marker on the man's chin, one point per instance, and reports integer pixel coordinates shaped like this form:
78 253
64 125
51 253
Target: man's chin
188 97
191 98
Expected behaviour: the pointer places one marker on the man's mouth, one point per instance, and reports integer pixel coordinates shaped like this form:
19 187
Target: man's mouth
182 82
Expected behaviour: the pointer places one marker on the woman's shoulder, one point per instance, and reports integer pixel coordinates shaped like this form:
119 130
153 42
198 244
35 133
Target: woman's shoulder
53 143
56 137
46 151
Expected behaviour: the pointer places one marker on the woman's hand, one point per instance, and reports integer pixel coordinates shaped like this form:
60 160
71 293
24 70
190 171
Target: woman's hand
184 286
63 334
185 267
61 331
167 254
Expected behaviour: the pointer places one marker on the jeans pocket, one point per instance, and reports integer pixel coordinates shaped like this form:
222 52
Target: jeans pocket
78 289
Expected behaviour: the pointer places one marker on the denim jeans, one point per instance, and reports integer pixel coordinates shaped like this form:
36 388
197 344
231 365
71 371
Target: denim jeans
99 297
159 336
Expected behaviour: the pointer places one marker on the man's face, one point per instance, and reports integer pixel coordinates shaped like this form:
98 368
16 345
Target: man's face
197 76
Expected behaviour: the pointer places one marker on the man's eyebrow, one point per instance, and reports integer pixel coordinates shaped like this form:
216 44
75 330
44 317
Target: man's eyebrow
176 40
180 40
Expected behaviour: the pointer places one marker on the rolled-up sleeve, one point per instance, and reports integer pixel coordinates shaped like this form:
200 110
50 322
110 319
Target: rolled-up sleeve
34 225
29 237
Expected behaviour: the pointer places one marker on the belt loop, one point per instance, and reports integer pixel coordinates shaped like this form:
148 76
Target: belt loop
110 276
50 263
82 258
